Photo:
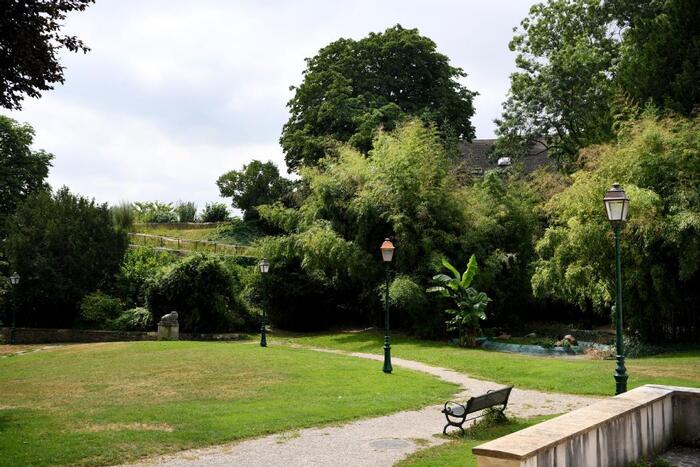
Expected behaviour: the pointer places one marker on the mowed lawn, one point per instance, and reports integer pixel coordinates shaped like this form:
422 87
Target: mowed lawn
567 375
115 402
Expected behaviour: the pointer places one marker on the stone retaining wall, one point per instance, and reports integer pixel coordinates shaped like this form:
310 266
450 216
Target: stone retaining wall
613 432
61 336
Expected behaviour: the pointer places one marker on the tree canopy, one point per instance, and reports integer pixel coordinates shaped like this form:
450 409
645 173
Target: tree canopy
22 170
30 41
583 63
352 87
257 183
658 164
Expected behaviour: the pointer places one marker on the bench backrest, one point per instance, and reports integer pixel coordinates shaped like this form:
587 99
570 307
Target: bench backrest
489 399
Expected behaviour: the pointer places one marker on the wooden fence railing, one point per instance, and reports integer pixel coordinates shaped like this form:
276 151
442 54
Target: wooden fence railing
188 246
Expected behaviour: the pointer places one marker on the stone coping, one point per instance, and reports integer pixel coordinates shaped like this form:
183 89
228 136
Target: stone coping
528 442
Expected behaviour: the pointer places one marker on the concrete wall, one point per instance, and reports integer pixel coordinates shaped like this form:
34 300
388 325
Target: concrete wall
64 336
613 432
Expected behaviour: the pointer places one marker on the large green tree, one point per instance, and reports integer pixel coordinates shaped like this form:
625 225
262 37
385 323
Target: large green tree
63 246
581 63
351 87
257 183
23 171
658 164
30 42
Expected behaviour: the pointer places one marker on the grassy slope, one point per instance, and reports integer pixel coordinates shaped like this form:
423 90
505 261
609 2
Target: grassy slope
568 375
109 403
459 451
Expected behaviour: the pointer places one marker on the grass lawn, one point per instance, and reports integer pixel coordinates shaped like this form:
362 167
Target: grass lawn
568 375
114 402
459 451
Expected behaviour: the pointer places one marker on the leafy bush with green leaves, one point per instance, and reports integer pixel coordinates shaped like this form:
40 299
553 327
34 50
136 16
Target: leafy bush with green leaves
204 292
408 301
470 304
155 212
63 246
657 161
214 212
97 310
133 319
186 211
139 268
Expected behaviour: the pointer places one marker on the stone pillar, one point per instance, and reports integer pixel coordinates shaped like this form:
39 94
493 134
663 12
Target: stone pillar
168 327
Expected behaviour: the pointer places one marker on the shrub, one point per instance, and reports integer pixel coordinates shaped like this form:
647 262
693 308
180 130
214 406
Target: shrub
408 301
123 216
64 246
97 310
155 212
215 212
203 291
138 270
186 211
134 319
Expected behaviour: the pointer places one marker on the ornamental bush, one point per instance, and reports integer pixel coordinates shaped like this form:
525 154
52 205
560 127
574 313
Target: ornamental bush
204 292
97 310
134 319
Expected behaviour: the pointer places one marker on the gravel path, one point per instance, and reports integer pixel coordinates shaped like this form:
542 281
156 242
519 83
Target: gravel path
380 441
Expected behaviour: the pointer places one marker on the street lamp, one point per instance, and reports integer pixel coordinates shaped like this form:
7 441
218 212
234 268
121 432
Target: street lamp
14 280
616 205
387 249
264 266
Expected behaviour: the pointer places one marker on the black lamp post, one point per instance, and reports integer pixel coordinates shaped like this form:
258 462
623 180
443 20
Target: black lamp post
387 249
14 280
264 266
616 205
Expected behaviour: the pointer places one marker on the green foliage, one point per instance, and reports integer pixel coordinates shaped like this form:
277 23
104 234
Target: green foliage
204 293
560 95
351 88
471 304
658 164
134 319
30 42
582 64
97 310
155 212
139 268
407 300
64 246
186 211
123 216
214 212
257 183
327 266
22 170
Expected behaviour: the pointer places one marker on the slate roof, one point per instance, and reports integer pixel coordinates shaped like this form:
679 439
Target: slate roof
477 159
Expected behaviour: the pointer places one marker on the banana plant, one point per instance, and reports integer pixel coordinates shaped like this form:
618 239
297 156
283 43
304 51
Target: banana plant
470 304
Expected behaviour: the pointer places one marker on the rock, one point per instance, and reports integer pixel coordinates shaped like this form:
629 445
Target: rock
504 336
168 327
572 340
532 334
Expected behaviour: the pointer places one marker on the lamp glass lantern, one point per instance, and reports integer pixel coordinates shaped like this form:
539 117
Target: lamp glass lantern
387 249
14 278
264 266
616 204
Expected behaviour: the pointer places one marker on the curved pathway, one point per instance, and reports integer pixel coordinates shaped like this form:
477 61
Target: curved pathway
380 441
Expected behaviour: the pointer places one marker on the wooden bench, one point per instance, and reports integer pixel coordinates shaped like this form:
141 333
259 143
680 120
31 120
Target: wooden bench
456 413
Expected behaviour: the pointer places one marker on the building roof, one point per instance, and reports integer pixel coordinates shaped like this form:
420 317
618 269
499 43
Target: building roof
477 159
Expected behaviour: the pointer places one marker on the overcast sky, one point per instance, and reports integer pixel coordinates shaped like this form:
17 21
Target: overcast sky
175 93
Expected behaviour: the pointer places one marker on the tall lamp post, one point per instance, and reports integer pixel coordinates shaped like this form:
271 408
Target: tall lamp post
264 266
616 205
387 249
14 280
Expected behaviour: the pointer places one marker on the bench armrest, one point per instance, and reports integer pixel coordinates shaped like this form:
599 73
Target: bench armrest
450 404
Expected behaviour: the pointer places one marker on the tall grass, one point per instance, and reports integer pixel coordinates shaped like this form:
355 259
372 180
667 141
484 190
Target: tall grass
123 216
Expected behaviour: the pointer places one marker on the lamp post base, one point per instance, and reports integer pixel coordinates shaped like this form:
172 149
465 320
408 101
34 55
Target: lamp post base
387 357
620 375
263 337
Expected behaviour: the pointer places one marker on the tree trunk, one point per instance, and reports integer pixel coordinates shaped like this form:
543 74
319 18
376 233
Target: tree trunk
471 337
